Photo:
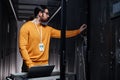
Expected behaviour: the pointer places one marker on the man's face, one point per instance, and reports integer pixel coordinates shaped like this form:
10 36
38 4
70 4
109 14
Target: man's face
45 16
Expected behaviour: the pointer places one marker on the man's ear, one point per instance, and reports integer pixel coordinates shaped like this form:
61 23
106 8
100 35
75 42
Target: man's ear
40 13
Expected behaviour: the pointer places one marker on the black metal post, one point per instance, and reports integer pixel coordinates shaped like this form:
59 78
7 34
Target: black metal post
63 41
88 44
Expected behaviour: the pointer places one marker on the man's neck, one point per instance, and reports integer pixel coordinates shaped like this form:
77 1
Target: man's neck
36 21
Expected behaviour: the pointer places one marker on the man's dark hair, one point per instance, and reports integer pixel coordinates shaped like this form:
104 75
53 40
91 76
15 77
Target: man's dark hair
39 8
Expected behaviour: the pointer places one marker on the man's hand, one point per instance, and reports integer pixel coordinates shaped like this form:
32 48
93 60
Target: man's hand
83 27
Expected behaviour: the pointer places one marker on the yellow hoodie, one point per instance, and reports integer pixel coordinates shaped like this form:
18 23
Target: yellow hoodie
29 39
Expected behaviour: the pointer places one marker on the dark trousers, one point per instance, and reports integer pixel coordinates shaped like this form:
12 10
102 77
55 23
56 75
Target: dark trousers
24 67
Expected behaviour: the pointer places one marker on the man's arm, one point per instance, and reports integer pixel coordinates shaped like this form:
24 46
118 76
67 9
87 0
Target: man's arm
23 43
69 33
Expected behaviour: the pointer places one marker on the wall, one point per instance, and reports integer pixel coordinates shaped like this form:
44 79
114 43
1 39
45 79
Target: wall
8 30
101 41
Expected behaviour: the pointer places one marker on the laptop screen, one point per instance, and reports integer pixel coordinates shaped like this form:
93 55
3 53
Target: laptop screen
40 71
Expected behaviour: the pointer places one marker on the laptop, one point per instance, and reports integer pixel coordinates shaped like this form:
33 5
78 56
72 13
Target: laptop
40 71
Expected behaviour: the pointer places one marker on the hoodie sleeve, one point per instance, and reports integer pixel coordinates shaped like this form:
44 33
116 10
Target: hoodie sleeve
23 43
69 33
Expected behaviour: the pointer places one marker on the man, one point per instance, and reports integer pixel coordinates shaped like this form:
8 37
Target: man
34 39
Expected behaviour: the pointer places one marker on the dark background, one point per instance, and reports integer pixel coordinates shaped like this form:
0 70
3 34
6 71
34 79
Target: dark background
92 55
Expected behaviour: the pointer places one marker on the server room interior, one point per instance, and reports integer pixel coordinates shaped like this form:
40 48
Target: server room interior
92 55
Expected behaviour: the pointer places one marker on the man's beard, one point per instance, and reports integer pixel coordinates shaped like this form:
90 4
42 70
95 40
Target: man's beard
44 20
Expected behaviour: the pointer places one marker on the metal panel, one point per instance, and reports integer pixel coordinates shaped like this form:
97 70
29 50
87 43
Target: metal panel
100 54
